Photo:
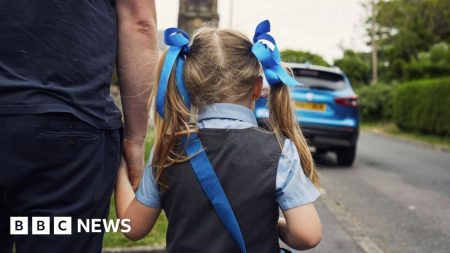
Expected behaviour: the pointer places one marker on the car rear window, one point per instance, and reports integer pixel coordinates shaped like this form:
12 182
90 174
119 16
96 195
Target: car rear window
322 80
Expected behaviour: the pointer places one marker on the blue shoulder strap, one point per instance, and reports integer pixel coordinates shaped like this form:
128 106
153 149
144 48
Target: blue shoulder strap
212 188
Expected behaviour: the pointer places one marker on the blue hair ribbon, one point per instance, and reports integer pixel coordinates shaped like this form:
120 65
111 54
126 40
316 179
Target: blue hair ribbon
178 41
266 50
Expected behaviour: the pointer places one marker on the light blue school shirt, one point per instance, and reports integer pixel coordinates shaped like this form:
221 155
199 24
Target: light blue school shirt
293 188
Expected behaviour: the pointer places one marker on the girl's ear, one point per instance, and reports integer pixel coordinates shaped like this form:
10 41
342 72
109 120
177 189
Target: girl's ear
257 88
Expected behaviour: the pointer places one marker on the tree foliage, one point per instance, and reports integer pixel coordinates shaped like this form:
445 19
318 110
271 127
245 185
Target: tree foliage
356 66
413 39
423 106
407 27
375 102
302 57
433 63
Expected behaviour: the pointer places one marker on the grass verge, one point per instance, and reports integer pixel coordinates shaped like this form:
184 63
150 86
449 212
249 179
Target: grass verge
442 142
158 235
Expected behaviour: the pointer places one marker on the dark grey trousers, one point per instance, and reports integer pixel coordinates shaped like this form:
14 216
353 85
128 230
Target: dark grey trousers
55 165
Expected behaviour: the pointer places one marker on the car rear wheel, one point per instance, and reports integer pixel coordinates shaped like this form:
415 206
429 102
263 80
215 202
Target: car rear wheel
346 156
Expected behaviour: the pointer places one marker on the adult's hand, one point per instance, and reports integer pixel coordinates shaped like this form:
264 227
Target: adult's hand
133 154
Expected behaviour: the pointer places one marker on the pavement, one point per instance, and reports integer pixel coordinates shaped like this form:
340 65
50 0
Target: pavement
395 198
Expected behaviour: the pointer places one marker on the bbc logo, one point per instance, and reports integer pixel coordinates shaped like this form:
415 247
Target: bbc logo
40 225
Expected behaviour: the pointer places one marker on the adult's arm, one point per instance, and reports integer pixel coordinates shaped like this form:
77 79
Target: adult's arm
136 65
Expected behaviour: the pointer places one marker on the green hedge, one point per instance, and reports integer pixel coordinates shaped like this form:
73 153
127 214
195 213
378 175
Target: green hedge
375 102
423 106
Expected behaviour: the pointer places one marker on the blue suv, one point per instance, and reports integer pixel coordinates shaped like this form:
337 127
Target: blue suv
327 110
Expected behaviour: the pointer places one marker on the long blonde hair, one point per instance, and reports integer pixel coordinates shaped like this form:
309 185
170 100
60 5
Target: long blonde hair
220 66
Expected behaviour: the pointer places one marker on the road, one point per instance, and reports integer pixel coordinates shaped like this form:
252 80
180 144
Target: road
395 198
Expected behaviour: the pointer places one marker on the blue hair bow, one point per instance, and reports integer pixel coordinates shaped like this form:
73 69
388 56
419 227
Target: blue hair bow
178 41
266 50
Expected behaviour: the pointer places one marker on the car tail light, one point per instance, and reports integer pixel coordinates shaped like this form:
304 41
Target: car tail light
347 101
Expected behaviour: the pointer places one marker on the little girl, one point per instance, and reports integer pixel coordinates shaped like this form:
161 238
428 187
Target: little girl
209 86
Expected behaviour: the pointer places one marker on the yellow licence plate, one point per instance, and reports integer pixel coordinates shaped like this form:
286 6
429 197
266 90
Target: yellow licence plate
311 106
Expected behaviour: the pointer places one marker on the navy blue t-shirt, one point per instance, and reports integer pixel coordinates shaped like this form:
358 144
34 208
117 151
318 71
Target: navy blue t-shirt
59 56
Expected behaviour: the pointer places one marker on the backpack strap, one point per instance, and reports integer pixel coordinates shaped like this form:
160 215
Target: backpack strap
212 188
